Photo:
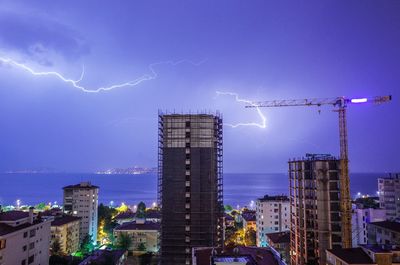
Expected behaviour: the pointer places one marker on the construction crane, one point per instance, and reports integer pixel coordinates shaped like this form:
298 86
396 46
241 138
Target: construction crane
340 104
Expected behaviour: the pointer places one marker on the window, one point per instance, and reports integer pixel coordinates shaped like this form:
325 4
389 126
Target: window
25 234
32 233
2 243
31 259
31 245
24 248
23 262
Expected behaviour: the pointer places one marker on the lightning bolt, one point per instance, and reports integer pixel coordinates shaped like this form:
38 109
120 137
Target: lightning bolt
261 125
75 83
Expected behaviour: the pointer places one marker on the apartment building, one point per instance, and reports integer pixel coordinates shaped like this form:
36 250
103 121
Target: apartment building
24 238
81 200
272 215
389 195
65 230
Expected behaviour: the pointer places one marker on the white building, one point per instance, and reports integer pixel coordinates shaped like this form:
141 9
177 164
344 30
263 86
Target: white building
65 230
360 219
389 195
81 200
24 238
143 233
272 215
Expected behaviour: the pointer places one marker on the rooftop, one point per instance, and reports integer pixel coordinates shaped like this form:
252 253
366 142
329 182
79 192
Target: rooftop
279 237
352 255
259 256
13 216
82 185
274 198
65 220
135 226
381 248
390 225
315 157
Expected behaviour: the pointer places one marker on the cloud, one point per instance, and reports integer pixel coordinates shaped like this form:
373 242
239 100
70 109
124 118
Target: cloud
40 38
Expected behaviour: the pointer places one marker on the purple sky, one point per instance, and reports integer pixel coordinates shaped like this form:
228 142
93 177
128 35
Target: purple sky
262 50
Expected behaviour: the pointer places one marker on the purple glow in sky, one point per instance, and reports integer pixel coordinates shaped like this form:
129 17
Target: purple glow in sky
141 56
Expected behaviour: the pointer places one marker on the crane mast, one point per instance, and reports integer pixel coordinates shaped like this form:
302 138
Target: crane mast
340 103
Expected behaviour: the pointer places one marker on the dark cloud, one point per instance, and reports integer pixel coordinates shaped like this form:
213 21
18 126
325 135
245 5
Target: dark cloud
38 37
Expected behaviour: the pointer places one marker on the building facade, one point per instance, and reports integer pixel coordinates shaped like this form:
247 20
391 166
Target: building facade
65 230
190 184
81 200
385 232
273 215
359 221
24 238
315 208
144 235
389 195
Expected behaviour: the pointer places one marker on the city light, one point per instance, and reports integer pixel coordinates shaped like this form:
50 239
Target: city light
359 100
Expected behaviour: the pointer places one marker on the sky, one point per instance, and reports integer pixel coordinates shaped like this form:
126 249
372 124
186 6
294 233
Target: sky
174 56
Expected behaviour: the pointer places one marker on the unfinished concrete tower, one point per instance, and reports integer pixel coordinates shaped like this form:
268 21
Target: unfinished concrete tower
189 184
315 208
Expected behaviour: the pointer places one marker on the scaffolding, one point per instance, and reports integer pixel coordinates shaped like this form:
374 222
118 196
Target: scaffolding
190 183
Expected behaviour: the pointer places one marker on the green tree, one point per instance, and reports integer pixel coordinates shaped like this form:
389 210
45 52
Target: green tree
141 210
87 245
250 237
41 206
56 247
228 208
124 241
141 247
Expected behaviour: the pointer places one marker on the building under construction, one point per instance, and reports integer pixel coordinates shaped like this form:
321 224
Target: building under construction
189 184
315 208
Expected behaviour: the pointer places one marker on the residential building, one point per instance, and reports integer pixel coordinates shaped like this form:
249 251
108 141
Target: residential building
315 208
65 230
360 219
389 195
81 200
385 232
365 254
24 238
280 243
273 215
249 220
190 184
105 256
125 217
145 235
238 256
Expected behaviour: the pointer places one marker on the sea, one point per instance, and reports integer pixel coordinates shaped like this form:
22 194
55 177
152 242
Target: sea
239 188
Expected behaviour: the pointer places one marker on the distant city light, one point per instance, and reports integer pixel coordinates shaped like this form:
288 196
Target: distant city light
154 204
359 100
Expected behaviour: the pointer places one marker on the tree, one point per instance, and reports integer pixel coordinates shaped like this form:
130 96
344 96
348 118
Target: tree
87 245
41 206
124 241
250 237
228 208
141 247
56 247
141 210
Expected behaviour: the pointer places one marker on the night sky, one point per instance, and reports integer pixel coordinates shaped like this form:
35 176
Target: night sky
178 54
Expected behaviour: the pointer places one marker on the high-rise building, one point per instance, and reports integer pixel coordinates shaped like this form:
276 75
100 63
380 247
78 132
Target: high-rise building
389 195
190 184
81 200
24 238
315 208
273 215
65 231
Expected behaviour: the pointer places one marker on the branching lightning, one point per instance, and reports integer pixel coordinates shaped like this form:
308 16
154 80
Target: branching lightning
261 125
75 83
